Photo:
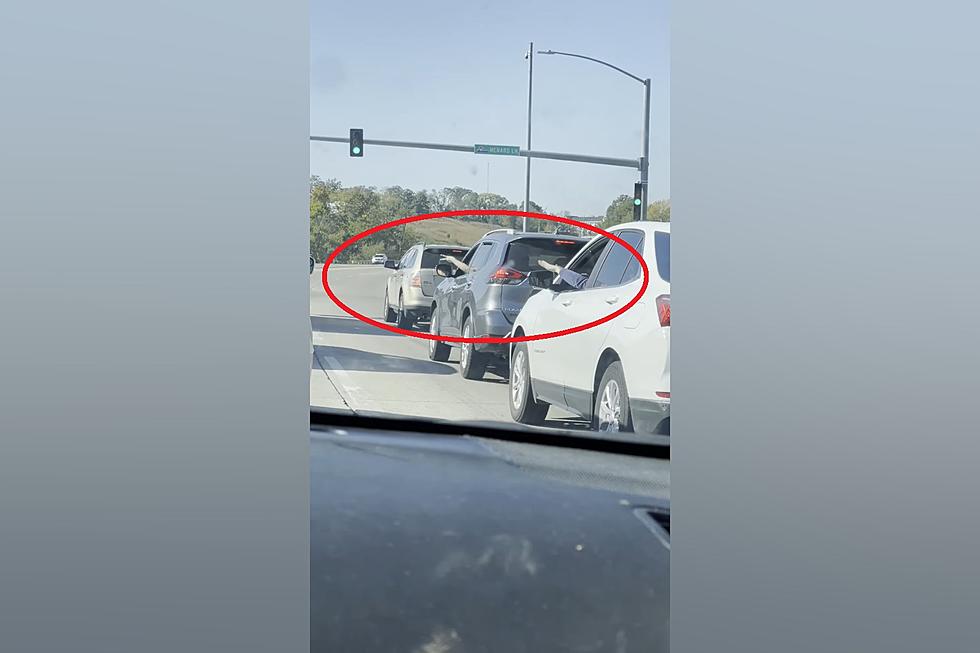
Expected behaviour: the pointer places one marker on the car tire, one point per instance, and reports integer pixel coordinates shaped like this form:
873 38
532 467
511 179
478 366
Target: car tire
472 364
611 411
386 312
438 350
524 408
403 320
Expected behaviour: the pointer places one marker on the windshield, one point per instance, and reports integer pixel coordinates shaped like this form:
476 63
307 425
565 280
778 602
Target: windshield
433 255
523 255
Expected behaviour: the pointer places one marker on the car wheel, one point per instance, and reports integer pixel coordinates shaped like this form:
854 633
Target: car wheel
386 312
403 319
472 364
523 406
438 350
611 413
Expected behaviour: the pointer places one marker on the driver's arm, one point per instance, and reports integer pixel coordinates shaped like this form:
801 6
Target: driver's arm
459 264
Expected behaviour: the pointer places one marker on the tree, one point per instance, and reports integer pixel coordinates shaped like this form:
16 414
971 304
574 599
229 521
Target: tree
620 211
659 211
337 213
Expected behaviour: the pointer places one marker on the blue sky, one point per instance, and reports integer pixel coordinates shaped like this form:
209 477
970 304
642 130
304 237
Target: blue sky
454 72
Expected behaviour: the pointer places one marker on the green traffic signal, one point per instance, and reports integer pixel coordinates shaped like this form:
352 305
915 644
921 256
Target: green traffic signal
637 202
356 142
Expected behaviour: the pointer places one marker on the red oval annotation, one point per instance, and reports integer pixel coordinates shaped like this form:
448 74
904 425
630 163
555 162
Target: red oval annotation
483 340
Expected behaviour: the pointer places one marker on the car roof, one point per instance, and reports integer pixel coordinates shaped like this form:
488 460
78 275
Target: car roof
507 235
647 226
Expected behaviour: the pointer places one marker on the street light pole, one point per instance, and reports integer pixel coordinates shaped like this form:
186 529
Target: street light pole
527 177
645 157
645 165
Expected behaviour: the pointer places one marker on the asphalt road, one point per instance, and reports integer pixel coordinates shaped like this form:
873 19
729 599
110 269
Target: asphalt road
361 368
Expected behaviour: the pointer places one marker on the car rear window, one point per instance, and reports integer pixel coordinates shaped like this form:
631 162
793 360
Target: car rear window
523 255
433 255
661 246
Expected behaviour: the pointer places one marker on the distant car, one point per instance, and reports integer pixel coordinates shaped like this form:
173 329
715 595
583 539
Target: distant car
483 298
379 258
409 289
616 374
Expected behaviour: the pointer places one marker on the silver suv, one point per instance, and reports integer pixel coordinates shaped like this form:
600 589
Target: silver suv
482 298
409 289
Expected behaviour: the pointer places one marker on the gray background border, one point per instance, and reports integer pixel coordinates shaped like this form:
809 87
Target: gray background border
154 481
153 476
825 182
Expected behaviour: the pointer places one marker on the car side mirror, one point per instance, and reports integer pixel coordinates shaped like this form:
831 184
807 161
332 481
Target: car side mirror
391 265
560 285
312 263
444 270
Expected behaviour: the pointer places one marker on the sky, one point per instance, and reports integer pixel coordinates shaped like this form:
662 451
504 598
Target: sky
455 72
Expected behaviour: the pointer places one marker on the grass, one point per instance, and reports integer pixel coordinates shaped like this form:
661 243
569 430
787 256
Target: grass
450 231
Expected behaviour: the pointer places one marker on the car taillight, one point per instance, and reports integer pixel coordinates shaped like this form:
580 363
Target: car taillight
663 395
507 276
416 281
663 310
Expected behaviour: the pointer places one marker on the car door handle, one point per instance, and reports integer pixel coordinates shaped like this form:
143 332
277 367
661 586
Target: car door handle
566 302
612 300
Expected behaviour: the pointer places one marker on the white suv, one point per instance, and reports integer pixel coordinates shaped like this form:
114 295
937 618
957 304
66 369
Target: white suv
616 374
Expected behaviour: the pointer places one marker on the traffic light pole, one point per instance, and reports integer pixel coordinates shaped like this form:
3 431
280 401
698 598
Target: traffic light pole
645 161
635 164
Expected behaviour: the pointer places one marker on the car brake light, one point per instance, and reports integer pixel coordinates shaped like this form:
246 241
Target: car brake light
663 310
507 276
663 395
416 280
564 242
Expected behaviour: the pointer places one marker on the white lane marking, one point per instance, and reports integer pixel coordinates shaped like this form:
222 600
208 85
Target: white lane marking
347 382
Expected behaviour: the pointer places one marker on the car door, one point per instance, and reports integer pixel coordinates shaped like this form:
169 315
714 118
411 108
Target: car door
405 270
396 277
463 287
577 353
451 304
547 368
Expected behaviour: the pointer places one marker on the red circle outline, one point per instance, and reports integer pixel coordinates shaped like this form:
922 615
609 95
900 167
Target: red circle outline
487 340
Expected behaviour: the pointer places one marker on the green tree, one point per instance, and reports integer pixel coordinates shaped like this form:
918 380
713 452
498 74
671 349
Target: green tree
659 211
620 211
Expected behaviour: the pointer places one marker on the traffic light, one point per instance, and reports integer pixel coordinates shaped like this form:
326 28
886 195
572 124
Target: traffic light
637 201
357 142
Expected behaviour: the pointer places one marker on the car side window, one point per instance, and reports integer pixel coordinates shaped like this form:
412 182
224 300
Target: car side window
481 256
585 263
633 270
469 255
616 260
410 258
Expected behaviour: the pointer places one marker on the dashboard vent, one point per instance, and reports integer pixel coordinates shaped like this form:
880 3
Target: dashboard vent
657 520
662 518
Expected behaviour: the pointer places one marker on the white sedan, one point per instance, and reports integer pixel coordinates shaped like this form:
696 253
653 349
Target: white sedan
379 258
616 374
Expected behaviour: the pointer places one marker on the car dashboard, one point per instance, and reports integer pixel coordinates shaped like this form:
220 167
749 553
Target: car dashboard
424 539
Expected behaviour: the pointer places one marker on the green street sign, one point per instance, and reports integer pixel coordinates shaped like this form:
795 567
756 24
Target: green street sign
509 150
